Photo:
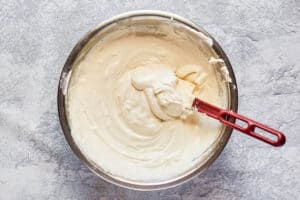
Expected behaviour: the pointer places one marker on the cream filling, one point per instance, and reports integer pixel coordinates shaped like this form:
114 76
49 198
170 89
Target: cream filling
125 105
159 85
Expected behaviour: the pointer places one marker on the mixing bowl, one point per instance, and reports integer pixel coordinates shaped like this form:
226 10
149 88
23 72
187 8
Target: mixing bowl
150 21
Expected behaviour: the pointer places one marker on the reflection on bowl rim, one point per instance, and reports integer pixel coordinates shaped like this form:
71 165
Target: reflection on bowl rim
232 103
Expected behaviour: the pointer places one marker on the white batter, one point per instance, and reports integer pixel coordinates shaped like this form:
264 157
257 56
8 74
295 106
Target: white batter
126 106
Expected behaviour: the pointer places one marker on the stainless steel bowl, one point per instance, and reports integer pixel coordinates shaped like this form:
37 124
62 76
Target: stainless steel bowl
88 41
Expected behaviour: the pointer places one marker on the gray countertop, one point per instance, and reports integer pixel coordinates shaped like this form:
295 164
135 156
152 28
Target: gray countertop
262 41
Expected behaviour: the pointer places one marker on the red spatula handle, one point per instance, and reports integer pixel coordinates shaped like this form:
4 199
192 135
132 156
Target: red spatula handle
224 115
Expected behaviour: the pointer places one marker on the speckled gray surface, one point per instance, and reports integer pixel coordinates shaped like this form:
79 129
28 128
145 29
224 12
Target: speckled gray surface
262 40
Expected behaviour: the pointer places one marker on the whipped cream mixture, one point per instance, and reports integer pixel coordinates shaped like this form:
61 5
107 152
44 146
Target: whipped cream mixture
126 104
159 84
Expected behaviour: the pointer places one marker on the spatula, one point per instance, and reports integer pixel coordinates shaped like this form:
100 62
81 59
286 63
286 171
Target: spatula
251 129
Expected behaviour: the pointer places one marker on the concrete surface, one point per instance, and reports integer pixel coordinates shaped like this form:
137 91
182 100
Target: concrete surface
262 40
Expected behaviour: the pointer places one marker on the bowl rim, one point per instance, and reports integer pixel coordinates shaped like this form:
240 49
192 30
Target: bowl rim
62 86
